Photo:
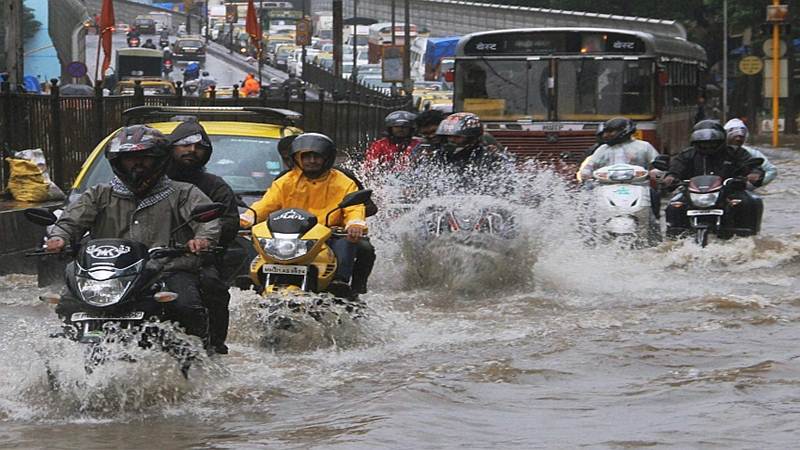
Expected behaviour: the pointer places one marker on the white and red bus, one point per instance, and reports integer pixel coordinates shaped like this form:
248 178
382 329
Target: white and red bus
543 91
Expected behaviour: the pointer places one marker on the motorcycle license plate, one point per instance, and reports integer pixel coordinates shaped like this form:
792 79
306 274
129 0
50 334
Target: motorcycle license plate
284 270
134 315
704 212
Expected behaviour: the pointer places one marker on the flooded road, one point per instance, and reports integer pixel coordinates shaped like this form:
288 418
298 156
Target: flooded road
553 344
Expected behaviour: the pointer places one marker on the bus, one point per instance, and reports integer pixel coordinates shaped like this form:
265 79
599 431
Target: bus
543 92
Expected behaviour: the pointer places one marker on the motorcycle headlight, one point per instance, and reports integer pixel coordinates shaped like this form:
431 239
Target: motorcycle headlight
102 292
286 249
704 200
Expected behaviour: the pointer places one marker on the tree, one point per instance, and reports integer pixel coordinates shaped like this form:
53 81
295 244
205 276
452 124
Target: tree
29 24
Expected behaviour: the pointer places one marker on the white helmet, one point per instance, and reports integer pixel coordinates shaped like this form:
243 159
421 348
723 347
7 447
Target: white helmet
736 127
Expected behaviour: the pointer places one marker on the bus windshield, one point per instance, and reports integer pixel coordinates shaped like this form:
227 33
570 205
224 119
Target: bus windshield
587 89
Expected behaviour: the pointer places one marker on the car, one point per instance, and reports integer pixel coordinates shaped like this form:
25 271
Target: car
149 87
245 155
145 24
189 48
245 144
282 53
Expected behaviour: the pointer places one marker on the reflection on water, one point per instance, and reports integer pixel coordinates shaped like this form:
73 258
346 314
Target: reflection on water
596 346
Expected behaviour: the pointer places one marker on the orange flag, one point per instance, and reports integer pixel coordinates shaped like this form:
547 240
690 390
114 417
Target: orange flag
251 25
106 32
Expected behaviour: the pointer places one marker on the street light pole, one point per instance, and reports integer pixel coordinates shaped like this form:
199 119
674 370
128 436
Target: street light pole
354 37
724 61
259 42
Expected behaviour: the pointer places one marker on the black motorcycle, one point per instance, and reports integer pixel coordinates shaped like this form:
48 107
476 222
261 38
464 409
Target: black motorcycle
116 286
707 204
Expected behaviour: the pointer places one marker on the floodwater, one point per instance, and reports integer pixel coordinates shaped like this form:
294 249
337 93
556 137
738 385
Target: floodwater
548 343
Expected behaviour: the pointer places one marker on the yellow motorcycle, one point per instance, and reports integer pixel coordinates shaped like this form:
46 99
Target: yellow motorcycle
293 251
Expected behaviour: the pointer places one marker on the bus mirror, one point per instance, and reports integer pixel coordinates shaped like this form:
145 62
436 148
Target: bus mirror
450 76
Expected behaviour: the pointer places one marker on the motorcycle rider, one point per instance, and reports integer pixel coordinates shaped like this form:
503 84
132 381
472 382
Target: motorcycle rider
148 43
709 154
365 251
291 85
315 185
191 72
620 147
737 133
143 204
464 145
250 86
390 152
206 81
191 150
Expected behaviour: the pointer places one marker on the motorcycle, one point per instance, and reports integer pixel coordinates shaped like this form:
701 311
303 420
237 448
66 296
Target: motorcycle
192 87
115 290
134 41
167 66
624 207
712 206
295 261
163 42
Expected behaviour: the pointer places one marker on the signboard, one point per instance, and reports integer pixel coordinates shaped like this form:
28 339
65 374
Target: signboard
392 63
231 14
767 48
77 69
777 13
545 43
302 35
751 65
783 85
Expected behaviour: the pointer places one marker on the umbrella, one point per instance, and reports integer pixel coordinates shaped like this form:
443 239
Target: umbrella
76 90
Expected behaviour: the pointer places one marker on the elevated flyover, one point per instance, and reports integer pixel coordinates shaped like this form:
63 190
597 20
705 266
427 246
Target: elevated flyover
454 17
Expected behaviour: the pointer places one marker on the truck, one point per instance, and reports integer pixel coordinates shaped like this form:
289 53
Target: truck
380 36
437 50
322 24
163 20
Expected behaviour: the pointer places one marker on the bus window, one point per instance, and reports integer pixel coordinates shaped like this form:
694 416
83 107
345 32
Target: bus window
599 89
493 92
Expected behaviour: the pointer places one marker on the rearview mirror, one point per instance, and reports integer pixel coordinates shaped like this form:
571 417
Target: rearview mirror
356 198
207 212
40 216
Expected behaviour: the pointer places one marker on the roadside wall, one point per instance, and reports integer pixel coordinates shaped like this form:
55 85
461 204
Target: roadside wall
125 11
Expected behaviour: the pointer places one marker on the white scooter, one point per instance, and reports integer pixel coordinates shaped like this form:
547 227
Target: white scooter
624 208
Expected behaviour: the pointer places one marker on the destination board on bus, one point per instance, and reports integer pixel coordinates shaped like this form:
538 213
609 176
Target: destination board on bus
545 43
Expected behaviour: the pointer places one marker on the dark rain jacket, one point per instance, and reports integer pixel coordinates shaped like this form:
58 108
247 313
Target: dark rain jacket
729 162
108 214
211 185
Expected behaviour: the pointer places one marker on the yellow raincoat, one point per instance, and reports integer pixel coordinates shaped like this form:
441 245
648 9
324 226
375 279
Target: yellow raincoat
317 196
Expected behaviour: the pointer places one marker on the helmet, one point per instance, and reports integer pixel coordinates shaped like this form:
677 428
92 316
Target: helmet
623 128
139 140
708 141
461 124
708 124
400 119
599 134
736 128
205 73
285 147
317 143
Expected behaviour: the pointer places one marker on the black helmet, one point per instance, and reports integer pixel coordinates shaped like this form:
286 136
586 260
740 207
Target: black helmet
285 148
709 124
317 143
139 140
461 124
623 127
708 141
400 119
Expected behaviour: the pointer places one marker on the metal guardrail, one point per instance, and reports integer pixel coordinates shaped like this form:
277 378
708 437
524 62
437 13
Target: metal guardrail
67 129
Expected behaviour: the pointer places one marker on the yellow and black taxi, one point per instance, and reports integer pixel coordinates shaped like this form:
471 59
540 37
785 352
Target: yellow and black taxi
245 141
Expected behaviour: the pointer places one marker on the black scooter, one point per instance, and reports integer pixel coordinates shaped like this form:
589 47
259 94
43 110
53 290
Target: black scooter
117 285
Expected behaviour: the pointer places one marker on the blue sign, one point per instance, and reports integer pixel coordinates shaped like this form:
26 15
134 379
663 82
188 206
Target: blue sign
77 69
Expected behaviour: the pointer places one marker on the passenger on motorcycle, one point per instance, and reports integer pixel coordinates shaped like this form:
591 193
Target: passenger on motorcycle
314 185
148 43
191 151
709 154
391 152
250 87
141 203
191 72
737 136
291 86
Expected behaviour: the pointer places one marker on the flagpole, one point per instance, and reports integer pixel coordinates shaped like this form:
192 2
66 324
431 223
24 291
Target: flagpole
97 61
260 38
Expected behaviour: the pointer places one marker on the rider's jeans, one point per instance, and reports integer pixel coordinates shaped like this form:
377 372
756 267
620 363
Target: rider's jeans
345 252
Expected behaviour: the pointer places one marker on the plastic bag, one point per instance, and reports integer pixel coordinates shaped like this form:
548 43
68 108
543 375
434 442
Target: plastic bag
26 182
30 174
